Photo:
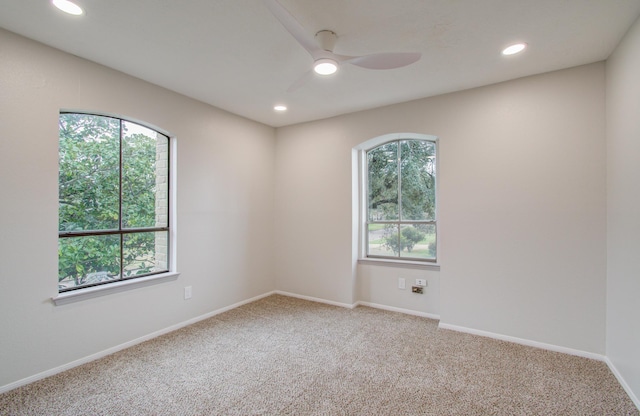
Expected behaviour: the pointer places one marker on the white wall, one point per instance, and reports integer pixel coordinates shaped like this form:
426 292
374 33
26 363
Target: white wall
623 209
313 211
522 208
378 285
225 209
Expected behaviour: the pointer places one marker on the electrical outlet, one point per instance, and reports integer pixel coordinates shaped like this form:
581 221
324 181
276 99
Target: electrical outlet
187 292
417 289
421 282
401 283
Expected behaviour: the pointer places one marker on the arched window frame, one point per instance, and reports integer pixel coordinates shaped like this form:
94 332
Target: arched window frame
363 221
167 271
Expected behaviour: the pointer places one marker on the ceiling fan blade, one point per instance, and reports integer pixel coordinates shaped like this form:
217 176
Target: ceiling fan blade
388 60
306 77
291 24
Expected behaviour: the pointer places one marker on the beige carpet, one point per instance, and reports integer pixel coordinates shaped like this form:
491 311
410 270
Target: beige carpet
284 356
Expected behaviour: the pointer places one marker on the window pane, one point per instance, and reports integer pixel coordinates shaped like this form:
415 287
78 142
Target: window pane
382 165
145 253
418 166
418 241
145 169
383 240
88 260
89 156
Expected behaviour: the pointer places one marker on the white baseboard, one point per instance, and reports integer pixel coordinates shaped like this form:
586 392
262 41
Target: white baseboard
401 310
351 306
126 345
522 341
312 299
623 382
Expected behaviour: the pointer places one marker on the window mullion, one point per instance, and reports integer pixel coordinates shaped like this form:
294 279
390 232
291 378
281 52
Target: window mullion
120 206
399 173
169 210
365 161
67 234
399 156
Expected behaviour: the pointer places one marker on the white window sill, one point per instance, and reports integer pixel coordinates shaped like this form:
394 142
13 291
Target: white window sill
116 287
406 264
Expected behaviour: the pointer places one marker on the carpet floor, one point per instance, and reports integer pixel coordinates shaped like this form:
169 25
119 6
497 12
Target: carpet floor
286 356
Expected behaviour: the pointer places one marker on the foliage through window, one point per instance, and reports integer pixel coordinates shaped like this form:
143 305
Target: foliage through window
113 218
401 200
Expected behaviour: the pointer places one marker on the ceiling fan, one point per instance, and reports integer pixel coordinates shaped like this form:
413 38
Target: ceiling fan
320 47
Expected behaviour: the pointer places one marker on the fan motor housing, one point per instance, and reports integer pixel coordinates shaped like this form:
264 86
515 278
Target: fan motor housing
326 39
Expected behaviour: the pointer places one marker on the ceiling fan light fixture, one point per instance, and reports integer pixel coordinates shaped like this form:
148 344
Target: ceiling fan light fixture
325 66
68 7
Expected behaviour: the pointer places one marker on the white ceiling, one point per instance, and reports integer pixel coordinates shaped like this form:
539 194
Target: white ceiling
235 55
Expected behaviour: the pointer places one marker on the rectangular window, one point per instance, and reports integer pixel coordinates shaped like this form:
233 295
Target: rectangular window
401 200
113 218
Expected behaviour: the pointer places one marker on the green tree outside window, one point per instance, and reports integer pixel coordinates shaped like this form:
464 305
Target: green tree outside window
401 200
113 200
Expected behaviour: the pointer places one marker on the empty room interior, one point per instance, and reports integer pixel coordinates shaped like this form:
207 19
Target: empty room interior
533 211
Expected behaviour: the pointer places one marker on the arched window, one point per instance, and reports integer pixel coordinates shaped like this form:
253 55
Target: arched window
113 219
400 197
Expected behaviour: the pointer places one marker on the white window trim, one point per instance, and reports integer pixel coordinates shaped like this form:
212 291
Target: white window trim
78 295
403 264
362 211
91 292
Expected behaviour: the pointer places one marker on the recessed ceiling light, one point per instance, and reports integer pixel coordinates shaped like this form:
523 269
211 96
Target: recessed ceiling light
325 66
513 49
68 7
280 108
